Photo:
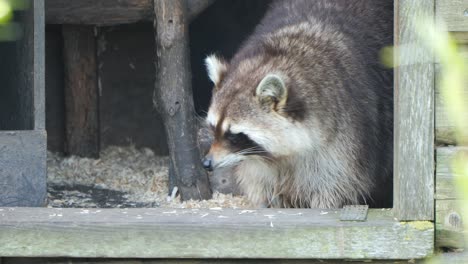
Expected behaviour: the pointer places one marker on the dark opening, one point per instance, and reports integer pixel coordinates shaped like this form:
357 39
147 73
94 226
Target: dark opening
16 78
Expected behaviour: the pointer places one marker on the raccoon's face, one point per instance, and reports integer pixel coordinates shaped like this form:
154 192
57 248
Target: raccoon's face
251 117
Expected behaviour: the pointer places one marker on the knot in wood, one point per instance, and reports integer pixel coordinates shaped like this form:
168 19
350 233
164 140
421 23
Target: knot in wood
454 221
174 108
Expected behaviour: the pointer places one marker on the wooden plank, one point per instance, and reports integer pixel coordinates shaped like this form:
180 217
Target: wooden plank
414 117
451 257
37 33
210 233
22 168
449 225
110 12
445 129
174 99
453 13
445 188
210 261
81 91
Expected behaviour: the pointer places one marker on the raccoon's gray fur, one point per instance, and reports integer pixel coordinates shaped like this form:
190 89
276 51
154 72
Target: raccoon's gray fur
304 111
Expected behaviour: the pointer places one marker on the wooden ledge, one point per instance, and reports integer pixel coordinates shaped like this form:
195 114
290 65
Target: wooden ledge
209 233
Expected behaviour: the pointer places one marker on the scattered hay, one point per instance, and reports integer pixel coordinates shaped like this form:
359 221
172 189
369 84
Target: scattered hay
121 177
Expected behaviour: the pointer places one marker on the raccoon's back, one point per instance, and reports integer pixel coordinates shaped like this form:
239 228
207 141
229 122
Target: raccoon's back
368 24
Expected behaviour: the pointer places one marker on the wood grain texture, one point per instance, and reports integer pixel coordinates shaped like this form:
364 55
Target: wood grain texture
414 117
205 233
445 188
212 261
460 37
37 33
453 13
445 129
110 12
174 99
22 168
81 91
449 224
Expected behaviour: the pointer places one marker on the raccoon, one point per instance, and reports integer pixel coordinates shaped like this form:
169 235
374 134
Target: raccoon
303 112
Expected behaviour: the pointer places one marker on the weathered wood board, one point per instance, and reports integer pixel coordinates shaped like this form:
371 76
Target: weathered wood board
414 117
452 258
454 13
81 91
205 233
22 168
36 44
445 188
110 12
449 224
445 129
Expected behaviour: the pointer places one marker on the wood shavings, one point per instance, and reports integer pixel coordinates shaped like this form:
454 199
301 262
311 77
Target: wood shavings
121 177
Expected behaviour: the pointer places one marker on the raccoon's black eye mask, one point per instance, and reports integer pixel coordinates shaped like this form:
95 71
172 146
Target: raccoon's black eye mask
241 141
238 139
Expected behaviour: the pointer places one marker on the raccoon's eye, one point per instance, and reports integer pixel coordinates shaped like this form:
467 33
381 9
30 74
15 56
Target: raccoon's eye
236 139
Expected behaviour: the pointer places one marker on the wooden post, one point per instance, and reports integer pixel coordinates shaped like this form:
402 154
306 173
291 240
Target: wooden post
173 98
81 91
413 116
23 153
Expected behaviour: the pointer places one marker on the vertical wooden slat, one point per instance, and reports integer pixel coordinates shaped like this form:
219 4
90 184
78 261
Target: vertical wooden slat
414 116
174 100
81 91
39 64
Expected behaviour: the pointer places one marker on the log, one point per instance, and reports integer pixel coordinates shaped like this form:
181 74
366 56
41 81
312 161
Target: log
174 100
110 12
81 91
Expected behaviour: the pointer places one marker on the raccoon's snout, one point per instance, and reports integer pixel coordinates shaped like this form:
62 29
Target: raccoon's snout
207 162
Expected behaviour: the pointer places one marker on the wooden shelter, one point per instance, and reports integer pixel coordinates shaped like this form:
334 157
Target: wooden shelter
424 217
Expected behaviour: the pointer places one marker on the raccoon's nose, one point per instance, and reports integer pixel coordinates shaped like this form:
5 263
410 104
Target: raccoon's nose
207 162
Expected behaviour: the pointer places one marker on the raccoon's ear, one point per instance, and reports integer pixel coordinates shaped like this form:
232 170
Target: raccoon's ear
216 68
272 91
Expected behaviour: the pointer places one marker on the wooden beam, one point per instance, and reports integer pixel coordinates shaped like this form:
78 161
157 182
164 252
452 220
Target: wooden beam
81 91
210 233
110 12
174 100
414 116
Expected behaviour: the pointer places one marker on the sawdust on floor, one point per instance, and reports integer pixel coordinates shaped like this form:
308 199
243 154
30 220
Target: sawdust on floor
121 177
